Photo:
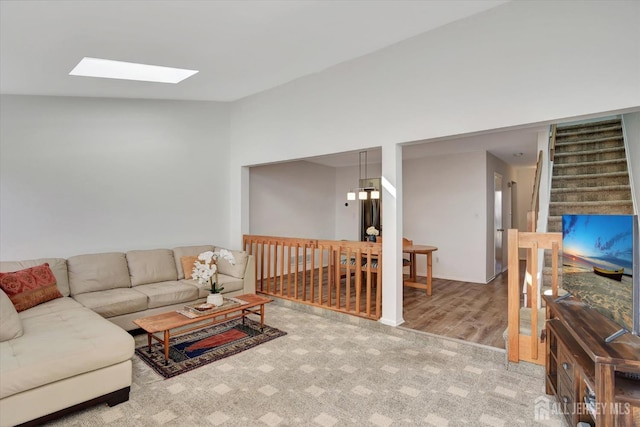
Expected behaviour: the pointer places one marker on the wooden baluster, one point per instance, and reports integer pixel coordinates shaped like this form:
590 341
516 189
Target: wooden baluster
261 266
513 297
347 280
269 291
336 275
368 302
313 272
554 269
295 275
378 312
320 272
304 271
289 270
358 275
534 301
281 269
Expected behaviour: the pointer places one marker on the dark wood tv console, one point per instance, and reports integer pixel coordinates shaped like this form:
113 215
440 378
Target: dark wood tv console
594 381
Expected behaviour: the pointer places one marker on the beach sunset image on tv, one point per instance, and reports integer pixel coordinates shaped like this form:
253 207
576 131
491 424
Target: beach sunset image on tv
597 264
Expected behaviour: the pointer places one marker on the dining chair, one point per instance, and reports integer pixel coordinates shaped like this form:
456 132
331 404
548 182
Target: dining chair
407 262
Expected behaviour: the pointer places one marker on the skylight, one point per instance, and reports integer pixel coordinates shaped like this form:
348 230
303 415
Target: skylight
108 69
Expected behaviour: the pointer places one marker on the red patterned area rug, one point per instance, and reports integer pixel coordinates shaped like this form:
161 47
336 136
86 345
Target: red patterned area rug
198 348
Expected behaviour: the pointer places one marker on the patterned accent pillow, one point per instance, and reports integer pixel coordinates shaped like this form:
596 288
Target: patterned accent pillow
30 287
187 265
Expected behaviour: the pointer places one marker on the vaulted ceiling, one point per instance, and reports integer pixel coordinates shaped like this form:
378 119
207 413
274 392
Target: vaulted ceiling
239 47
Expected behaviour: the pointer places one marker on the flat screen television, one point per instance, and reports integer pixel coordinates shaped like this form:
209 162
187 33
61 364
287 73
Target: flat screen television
600 265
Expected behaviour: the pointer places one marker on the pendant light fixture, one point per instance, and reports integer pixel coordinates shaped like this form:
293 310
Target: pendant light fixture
363 193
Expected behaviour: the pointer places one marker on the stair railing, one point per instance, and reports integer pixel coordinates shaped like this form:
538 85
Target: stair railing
524 347
535 196
338 275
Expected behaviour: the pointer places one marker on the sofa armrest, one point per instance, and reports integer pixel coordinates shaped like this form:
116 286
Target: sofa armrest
250 276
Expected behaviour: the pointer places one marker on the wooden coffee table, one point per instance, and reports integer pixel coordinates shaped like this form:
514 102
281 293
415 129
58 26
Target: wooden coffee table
166 322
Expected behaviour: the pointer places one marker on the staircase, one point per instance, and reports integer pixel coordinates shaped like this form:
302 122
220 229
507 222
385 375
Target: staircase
590 174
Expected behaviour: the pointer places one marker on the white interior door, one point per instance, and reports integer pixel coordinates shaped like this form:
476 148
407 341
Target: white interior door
497 222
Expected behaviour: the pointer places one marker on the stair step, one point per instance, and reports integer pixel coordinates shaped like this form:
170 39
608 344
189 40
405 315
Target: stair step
590 180
591 194
603 208
589 168
596 163
615 153
592 151
612 141
588 138
554 224
591 189
608 122
584 129
596 203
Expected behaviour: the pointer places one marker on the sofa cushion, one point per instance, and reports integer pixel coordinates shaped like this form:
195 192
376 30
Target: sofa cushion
59 345
230 284
30 287
51 307
151 266
167 293
114 302
57 265
187 265
10 324
183 251
236 270
98 272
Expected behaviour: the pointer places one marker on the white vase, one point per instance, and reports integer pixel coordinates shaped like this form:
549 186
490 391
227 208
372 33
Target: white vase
215 299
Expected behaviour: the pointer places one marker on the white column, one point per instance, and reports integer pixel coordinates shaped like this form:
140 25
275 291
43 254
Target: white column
239 205
392 235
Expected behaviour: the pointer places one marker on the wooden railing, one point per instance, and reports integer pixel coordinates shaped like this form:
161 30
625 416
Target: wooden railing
521 346
552 142
535 196
344 276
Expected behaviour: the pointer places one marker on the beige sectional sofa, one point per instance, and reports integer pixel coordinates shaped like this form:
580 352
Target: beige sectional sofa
73 351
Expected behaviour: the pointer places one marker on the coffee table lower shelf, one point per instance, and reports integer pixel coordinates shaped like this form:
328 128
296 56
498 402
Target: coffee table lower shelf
166 322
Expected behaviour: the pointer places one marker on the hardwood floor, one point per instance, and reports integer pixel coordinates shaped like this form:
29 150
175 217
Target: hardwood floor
467 311
463 310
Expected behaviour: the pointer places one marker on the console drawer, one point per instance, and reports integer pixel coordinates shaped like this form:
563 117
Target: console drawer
566 393
566 364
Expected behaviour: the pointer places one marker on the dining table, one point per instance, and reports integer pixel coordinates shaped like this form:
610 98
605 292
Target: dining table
413 251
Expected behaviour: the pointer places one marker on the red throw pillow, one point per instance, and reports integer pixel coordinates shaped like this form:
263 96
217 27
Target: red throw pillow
30 287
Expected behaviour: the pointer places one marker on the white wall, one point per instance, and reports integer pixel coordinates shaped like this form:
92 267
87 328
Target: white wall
81 175
485 72
315 195
293 199
445 206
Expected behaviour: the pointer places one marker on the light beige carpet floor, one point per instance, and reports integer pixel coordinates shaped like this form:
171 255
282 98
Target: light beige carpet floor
333 370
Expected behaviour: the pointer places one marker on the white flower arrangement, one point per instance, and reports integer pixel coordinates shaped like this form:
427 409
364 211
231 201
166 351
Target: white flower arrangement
205 268
372 231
